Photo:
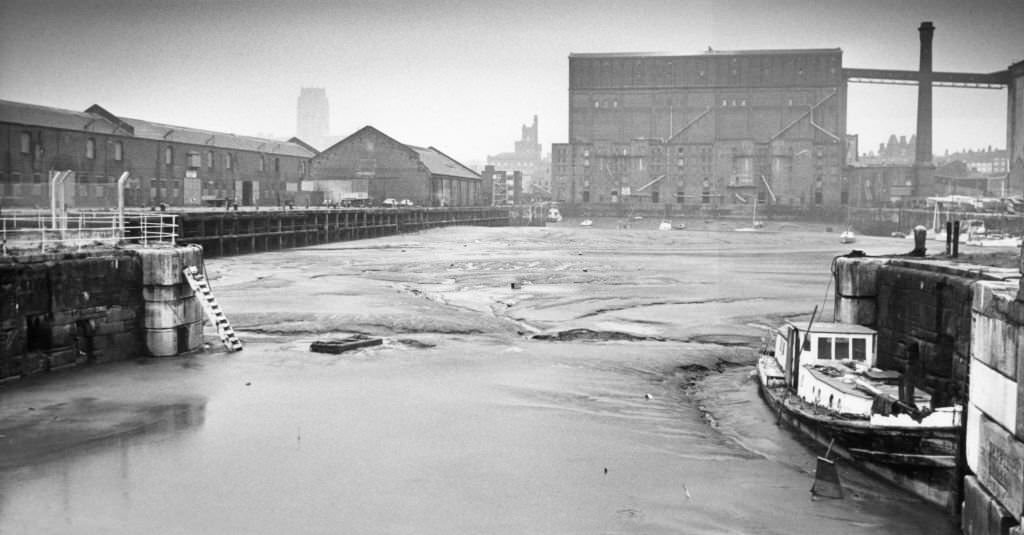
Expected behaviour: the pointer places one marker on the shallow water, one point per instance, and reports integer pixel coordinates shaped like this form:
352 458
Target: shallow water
463 421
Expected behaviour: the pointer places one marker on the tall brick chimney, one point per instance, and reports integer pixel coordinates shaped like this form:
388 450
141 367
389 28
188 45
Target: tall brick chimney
923 167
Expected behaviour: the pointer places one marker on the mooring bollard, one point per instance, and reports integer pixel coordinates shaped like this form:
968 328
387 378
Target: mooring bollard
920 236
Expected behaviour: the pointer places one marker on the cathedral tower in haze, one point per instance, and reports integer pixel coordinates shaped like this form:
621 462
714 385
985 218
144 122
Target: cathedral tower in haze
313 112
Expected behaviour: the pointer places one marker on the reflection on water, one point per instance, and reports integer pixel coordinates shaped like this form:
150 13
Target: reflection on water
48 473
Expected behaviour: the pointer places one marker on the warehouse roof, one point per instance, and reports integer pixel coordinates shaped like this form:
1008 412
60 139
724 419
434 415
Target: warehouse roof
439 163
97 119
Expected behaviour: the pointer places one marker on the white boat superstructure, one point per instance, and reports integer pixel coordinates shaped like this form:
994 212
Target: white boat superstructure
834 369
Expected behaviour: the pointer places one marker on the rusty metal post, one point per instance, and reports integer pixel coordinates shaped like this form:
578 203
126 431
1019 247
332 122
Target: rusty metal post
1020 290
949 238
956 239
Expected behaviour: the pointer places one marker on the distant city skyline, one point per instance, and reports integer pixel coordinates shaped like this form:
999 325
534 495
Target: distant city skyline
463 76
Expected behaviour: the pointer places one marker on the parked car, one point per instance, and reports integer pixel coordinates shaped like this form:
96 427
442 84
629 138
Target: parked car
390 203
405 202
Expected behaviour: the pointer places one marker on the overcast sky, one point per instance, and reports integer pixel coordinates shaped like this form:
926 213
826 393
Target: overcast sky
464 75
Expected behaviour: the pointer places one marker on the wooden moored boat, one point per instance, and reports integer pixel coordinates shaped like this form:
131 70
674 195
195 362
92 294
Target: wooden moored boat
823 383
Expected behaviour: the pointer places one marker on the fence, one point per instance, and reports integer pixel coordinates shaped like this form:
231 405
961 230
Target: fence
30 231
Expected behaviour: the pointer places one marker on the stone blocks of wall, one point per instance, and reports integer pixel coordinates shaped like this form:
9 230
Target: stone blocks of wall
173 317
995 429
58 310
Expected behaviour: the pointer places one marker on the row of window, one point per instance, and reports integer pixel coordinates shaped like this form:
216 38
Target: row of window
194 159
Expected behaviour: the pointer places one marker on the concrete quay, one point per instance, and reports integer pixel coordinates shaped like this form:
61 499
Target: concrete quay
968 321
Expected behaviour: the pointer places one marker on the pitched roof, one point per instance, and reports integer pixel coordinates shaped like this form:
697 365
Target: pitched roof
439 163
33 115
97 119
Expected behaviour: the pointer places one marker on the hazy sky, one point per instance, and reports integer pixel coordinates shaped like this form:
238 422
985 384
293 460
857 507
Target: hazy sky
464 75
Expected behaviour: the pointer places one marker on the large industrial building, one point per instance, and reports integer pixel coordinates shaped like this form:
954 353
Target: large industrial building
167 164
720 127
731 127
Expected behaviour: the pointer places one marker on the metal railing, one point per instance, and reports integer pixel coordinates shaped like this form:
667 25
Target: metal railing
76 230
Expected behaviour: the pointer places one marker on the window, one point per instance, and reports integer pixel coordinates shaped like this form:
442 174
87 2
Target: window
227 161
90 148
655 196
860 349
825 348
118 151
680 197
277 165
209 159
842 348
193 160
586 196
168 155
262 163
26 143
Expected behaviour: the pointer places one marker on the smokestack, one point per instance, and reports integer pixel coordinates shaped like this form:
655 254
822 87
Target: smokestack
923 157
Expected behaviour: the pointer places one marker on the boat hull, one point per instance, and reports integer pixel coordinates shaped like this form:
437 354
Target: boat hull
921 460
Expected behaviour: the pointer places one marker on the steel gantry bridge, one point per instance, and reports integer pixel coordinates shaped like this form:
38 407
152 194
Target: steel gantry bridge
993 80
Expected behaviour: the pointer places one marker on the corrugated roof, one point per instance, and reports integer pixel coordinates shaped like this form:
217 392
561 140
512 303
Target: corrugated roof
29 114
439 163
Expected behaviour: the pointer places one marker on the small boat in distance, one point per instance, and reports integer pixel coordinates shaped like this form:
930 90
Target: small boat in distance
586 222
823 382
665 225
847 236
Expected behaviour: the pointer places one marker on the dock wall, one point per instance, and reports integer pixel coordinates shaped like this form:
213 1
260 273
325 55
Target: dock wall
64 309
994 492
969 326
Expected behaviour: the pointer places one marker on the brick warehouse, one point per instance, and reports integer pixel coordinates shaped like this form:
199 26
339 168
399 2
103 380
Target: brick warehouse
370 166
703 130
168 164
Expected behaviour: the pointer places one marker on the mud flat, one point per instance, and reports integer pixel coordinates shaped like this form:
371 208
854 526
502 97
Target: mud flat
608 393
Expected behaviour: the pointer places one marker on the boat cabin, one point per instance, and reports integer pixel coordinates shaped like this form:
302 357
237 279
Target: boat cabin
827 341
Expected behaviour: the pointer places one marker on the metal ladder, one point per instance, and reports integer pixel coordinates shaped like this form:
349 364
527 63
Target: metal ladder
197 281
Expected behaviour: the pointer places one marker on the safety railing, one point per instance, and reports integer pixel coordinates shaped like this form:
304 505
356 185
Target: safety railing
76 230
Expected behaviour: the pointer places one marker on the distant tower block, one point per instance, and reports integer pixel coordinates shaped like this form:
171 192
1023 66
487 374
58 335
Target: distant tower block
313 112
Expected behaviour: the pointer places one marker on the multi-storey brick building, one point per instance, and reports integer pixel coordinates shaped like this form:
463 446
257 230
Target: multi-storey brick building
528 161
708 129
370 166
167 164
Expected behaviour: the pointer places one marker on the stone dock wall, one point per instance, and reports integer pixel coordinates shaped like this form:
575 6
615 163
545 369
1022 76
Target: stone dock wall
969 326
64 309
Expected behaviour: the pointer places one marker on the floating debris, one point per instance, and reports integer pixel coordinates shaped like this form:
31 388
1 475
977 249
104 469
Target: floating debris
340 345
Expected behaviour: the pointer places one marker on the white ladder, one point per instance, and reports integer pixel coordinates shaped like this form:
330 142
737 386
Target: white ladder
198 283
